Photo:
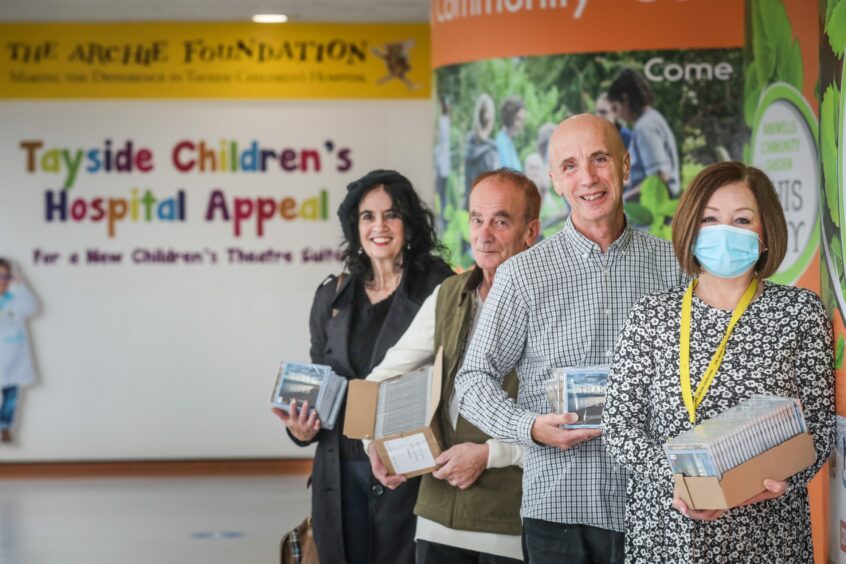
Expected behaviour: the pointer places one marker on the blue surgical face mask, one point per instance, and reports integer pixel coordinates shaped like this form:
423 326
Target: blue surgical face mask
726 251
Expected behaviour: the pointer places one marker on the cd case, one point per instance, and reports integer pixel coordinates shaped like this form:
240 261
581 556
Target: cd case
580 390
315 383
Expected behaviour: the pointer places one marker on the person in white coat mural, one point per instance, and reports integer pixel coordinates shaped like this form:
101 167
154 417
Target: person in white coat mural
17 304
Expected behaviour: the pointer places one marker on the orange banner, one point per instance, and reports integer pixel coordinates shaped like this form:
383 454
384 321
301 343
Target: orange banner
472 30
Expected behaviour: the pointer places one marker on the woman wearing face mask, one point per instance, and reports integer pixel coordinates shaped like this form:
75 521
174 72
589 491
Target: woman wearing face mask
729 233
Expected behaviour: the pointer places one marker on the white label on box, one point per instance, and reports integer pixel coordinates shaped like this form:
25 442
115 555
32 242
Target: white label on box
409 454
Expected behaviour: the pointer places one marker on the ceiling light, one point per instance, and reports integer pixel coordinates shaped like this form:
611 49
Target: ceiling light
270 18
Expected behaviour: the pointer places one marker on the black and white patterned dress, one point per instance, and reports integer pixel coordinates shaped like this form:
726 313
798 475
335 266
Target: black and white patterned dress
782 346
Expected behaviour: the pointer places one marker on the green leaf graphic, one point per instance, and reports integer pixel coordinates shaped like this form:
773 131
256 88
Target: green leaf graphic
669 208
830 5
762 43
837 258
653 193
841 346
752 87
835 27
780 34
655 208
638 214
790 66
829 110
777 57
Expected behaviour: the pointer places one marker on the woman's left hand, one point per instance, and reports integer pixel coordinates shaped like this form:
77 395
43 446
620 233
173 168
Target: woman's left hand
303 423
772 489
697 514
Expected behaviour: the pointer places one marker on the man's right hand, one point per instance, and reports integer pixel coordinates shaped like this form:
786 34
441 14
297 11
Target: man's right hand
390 481
302 424
546 430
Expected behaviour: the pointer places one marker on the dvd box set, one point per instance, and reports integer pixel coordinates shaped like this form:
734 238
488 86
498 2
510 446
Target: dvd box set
735 436
318 384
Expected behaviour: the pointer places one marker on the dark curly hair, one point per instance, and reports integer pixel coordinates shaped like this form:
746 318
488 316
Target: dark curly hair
631 88
418 223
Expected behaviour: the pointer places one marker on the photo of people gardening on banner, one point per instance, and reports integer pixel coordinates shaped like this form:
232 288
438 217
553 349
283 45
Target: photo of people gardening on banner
676 111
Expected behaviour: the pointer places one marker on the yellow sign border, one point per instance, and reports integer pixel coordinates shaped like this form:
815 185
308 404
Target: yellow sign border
214 61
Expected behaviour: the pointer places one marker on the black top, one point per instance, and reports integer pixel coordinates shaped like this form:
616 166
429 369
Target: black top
367 321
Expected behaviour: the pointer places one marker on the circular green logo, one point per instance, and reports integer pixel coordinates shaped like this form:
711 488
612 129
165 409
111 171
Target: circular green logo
784 146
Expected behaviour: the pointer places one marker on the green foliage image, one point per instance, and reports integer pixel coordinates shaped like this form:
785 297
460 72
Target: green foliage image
705 117
655 208
776 55
832 103
830 125
835 26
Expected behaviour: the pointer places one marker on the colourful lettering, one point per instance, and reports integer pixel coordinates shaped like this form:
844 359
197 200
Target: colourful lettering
59 207
264 209
61 160
230 156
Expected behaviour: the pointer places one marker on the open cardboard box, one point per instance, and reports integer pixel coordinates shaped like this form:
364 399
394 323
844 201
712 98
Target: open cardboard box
745 481
411 453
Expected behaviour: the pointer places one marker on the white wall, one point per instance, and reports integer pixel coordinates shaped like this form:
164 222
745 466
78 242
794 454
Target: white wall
151 361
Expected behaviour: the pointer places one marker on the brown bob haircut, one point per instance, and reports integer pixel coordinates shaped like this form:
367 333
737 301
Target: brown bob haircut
522 183
688 218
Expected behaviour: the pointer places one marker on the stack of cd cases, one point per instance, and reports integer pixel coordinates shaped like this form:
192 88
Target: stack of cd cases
318 384
736 435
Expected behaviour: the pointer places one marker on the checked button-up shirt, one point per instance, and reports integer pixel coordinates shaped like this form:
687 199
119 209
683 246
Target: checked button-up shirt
561 303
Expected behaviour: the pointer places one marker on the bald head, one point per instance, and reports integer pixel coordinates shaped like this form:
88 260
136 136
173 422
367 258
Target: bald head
587 126
589 164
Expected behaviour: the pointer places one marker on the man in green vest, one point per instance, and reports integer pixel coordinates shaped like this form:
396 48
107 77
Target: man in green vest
469 509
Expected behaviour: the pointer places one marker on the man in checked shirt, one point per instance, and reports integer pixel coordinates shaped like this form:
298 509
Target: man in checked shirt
562 304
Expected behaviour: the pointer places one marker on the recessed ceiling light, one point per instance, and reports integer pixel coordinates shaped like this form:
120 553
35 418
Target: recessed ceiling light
270 18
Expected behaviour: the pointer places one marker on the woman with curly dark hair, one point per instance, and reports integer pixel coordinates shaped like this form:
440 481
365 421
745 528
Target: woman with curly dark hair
390 250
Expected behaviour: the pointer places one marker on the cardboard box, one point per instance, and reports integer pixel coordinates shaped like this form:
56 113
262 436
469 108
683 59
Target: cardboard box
411 453
745 481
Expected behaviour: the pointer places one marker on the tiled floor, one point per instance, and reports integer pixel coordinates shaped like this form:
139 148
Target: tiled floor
185 520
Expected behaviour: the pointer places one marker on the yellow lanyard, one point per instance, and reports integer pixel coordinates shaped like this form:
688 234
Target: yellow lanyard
691 401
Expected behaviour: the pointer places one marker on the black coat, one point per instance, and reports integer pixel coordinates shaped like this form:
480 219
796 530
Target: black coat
391 512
